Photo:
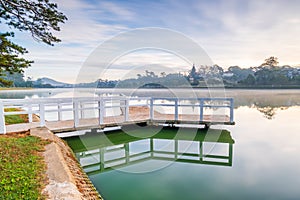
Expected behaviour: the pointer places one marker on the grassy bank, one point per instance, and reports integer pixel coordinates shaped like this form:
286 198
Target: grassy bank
15 119
22 169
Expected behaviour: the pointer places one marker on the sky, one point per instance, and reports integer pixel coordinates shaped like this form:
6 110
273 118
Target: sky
231 32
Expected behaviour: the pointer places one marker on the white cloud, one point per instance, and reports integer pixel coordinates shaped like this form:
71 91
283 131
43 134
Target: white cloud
117 10
233 32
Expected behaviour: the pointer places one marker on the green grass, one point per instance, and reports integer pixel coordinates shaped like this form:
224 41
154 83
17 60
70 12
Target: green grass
22 169
14 119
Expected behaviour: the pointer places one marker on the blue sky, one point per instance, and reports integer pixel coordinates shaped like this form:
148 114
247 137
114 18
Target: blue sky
232 32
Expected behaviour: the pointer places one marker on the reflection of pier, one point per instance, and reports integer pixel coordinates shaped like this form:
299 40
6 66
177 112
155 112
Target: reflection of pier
185 145
65 114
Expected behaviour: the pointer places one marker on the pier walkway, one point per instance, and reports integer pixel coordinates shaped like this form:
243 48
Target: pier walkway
67 114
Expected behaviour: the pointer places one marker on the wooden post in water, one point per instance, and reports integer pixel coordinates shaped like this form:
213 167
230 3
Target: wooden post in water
126 147
201 151
176 149
230 154
151 147
102 159
2 119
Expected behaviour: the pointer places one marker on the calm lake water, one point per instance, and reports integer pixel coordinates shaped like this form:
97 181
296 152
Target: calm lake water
258 158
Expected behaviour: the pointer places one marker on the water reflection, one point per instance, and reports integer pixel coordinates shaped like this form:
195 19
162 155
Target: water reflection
31 93
269 111
101 152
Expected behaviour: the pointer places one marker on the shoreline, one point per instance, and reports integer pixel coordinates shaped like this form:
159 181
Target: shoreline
67 180
154 88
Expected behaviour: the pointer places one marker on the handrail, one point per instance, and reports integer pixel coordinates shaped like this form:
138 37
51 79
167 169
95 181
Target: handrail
100 104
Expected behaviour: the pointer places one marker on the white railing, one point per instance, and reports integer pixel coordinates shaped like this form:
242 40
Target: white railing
202 103
76 108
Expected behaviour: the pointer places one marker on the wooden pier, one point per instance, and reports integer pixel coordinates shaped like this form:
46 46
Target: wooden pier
67 114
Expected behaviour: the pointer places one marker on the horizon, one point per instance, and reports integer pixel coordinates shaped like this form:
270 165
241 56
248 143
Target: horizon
230 32
144 73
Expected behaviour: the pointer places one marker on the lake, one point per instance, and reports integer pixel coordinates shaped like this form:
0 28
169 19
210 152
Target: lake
258 158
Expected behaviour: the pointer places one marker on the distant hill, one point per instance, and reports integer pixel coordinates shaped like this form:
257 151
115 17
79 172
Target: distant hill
51 83
48 82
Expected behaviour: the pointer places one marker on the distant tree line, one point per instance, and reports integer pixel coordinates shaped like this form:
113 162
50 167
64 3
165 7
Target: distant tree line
15 80
152 80
268 74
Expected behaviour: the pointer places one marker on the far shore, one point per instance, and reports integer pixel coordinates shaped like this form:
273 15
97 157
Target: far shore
16 88
271 87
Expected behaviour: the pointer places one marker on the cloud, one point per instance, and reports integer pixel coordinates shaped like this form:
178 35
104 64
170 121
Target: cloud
232 32
117 11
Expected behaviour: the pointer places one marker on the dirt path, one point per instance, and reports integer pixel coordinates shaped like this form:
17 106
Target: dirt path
66 178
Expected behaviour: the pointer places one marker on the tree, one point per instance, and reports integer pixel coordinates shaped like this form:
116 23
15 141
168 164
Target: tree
39 17
163 74
250 80
9 58
271 61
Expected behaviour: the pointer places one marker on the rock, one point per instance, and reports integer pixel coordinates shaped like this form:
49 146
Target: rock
62 191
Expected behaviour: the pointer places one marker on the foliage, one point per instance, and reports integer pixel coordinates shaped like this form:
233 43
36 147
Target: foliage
150 79
15 119
22 168
17 80
271 61
274 76
10 62
250 80
239 74
39 17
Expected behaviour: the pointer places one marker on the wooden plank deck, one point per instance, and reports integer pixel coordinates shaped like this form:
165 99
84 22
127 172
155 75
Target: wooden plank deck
137 114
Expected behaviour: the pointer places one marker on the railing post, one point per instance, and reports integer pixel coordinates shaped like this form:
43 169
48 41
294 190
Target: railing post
29 112
81 110
126 110
176 109
101 107
231 110
151 109
2 119
59 114
201 109
42 114
76 113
